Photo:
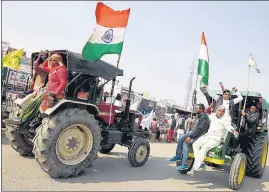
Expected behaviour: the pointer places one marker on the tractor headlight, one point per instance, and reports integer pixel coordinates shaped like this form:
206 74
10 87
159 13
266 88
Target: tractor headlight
211 154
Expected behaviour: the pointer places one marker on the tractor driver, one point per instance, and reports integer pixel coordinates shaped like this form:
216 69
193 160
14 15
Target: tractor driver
251 118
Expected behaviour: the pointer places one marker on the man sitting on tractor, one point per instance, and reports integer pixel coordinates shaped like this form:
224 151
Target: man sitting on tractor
200 128
219 124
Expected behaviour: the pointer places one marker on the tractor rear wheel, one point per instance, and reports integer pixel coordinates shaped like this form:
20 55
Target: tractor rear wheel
139 152
18 141
67 143
237 171
256 152
106 147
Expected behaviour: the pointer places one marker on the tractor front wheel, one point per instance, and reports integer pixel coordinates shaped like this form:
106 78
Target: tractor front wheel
257 154
139 152
237 171
67 143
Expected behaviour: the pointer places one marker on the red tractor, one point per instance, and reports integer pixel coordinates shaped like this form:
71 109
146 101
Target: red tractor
66 138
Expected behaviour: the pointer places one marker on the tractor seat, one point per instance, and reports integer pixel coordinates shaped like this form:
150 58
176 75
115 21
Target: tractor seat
83 95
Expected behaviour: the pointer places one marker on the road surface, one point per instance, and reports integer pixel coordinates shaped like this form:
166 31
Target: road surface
114 173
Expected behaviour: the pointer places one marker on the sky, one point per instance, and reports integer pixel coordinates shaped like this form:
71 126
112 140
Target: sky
162 40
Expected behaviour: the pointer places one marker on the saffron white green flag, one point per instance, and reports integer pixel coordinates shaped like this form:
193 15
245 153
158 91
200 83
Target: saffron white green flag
253 64
203 62
109 33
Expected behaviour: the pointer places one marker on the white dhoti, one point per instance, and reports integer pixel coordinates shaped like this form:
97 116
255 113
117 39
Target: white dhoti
200 147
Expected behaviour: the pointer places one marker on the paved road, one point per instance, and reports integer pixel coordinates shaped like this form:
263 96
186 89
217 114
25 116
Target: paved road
113 172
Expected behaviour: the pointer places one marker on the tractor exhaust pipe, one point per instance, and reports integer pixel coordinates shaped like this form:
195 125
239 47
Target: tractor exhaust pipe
128 101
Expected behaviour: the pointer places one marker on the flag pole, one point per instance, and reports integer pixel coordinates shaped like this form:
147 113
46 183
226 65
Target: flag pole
194 95
114 80
247 89
118 62
245 102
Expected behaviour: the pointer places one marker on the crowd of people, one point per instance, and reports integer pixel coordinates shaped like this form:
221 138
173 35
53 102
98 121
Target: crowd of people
170 130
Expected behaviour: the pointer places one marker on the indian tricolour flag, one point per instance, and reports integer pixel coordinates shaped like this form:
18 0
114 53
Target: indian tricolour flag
203 67
109 33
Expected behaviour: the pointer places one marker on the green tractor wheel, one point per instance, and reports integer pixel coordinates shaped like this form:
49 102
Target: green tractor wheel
257 155
237 171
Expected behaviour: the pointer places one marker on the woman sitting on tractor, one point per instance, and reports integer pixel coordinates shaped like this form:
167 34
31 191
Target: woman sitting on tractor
53 92
57 81
38 80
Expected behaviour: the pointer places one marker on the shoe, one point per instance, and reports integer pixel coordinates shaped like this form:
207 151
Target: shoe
191 172
83 95
14 121
202 167
176 158
182 167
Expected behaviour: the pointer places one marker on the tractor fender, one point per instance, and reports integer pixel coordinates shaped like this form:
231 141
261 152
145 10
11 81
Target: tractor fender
64 102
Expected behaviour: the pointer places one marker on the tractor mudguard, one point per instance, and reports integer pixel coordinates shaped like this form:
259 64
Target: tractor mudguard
65 101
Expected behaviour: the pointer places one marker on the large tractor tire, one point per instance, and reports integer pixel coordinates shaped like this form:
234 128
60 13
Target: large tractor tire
67 143
106 148
18 141
139 152
237 171
256 152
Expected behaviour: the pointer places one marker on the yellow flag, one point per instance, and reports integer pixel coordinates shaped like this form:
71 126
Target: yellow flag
146 94
12 59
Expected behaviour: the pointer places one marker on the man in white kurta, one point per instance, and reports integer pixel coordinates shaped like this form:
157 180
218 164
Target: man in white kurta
219 125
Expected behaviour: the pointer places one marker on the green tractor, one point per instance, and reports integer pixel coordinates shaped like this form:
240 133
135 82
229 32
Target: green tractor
247 153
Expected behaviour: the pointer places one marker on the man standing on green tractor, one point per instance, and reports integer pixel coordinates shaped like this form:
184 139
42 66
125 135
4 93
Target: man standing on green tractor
200 128
219 125
224 100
